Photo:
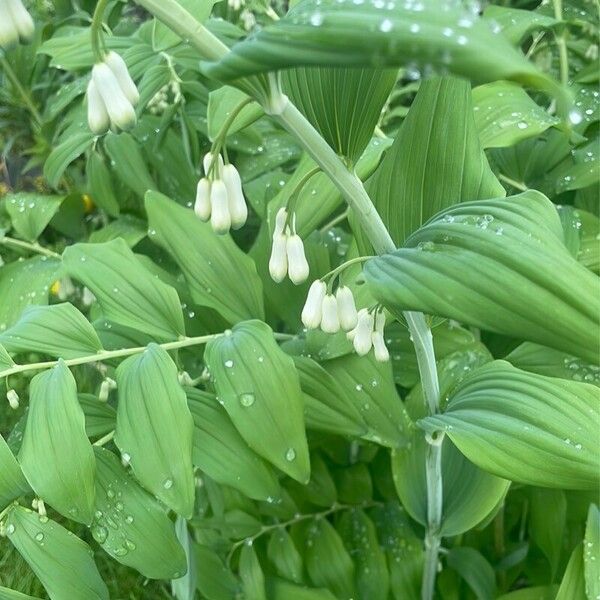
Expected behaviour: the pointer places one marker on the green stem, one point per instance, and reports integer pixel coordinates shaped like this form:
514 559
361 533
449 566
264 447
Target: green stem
561 42
96 30
12 77
516 184
291 202
105 439
353 261
334 221
33 247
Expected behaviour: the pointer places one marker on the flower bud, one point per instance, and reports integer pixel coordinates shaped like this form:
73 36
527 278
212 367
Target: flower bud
379 347
235 196
119 108
313 307
298 268
119 68
13 399
17 21
207 162
202 205
361 335
346 308
278 264
330 322
106 386
98 119
219 210
9 36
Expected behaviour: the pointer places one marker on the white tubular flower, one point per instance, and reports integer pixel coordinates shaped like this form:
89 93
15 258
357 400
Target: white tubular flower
235 196
381 351
207 162
119 68
202 204
298 268
120 109
278 264
313 307
330 322
346 308
361 335
13 399
16 24
106 386
219 210
98 119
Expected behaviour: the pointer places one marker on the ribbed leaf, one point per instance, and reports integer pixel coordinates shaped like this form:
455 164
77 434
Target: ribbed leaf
472 566
548 512
12 482
7 594
591 547
61 561
259 387
131 525
58 330
333 100
218 273
284 555
30 213
435 161
253 580
284 590
463 265
221 452
155 427
215 581
126 292
499 413
100 417
367 34
66 152
56 455
6 361
572 586
100 184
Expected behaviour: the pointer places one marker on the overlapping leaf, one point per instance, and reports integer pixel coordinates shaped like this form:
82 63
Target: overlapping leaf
31 213
12 482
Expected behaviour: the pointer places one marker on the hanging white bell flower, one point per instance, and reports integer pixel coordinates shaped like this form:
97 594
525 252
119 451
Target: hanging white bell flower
13 399
16 24
330 322
313 307
219 209
119 68
287 254
98 119
379 347
298 268
238 210
346 308
106 386
278 264
207 162
202 204
361 335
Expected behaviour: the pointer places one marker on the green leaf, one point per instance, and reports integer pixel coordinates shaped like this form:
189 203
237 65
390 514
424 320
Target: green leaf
462 265
215 581
64 154
221 452
23 283
58 330
253 580
572 586
499 413
320 490
155 427
475 570
184 588
333 100
100 417
445 165
61 561
505 115
6 361
548 514
128 227
516 23
131 525
12 481
284 590
336 34
127 293
56 455
284 555
100 185
532 593
258 383
7 594
591 546
218 273
31 213
221 103
163 38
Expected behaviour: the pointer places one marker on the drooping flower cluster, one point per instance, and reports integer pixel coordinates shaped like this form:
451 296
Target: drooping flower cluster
111 95
287 253
219 196
16 24
368 334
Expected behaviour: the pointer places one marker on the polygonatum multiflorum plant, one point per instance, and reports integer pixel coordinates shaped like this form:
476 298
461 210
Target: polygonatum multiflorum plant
299 301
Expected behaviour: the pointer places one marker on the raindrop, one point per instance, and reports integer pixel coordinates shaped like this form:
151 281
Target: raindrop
385 25
290 455
247 399
168 484
10 529
229 364
100 534
39 536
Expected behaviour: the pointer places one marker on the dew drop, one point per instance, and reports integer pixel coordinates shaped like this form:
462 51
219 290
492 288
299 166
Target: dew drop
10 529
247 399
168 484
290 455
39 536
385 25
100 534
228 364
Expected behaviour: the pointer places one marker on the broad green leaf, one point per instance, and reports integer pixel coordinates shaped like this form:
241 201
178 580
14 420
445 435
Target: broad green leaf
155 78
326 405
64 154
128 163
320 490
215 581
499 413
462 265
572 586
591 546
100 417
505 115
184 588
58 330
23 283
253 580
343 34
221 452
8 594
31 213
354 484
472 566
61 561
218 273
548 510
532 593
284 556
284 590
100 185
360 539
12 481
553 363
221 104
516 23
127 293
128 227
445 164
56 456
131 525
333 100
258 383
328 563
155 427
370 387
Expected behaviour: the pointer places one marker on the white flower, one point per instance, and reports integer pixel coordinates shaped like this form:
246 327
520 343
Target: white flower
13 399
87 297
235 4
111 93
248 19
379 347
220 219
287 253
202 204
361 335
346 308
16 24
313 307
106 386
235 196
298 268
207 162
330 322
